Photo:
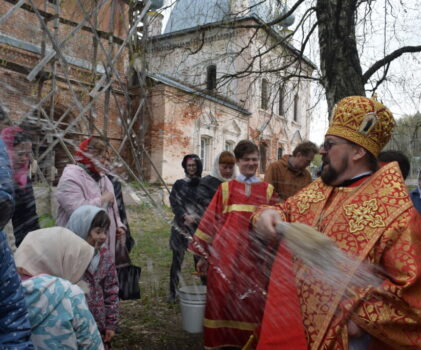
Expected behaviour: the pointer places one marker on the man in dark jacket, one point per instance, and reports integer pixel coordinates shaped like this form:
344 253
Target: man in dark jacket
186 216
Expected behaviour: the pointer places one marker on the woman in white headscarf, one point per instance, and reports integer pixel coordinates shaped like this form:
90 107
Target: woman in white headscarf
223 170
50 262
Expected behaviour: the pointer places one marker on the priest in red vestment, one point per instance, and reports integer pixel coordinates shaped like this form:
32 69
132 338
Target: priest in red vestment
369 215
234 264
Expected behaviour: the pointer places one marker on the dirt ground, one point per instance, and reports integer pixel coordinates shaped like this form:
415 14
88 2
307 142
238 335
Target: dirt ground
151 323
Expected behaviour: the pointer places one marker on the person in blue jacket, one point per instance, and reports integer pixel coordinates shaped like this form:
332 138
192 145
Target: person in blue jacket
15 330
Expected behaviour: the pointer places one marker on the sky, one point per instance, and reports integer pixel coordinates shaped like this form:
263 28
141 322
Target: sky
392 24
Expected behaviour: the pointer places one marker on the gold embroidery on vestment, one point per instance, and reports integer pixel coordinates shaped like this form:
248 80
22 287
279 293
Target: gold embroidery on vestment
306 197
363 215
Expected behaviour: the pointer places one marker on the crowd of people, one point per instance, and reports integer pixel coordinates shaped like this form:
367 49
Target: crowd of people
61 286
261 296
60 289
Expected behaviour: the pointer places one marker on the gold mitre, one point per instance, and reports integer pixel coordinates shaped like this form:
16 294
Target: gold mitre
364 121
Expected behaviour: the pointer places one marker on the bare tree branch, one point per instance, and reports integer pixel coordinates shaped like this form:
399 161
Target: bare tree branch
389 58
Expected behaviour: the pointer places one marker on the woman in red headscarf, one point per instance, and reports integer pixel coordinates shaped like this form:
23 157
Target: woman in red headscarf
19 149
85 183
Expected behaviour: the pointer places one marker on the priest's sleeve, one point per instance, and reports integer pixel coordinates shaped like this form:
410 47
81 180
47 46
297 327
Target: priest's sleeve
392 312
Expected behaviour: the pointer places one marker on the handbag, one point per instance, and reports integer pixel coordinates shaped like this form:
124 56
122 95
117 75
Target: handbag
128 274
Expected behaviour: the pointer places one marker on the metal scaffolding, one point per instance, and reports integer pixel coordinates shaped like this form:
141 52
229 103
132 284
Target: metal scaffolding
99 97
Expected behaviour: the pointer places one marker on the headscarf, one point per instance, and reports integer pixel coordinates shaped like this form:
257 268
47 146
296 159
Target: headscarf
80 222
226 159
8 135
83 156
55 251
199 164
81 219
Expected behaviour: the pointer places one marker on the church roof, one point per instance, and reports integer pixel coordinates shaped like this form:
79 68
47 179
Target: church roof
192 13
155 39
194 91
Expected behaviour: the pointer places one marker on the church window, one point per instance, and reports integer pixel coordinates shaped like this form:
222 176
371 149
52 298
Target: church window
211 77
229 146
205 151
281 100
263 148
265 94
296 101
280 152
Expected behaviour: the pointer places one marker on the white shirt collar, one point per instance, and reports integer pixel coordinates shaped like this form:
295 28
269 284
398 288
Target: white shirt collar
250 180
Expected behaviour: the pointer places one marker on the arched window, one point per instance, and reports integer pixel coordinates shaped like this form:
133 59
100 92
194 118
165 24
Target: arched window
211 77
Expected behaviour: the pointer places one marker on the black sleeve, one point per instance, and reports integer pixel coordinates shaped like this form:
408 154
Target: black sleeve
25 217
203 197
177 197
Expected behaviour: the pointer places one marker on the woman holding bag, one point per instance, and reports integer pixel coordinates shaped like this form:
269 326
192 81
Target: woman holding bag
85 183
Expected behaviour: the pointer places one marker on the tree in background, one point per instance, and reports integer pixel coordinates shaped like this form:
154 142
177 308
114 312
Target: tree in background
407 139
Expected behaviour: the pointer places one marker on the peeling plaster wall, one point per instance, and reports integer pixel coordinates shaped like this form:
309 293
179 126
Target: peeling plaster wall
176 124
186 56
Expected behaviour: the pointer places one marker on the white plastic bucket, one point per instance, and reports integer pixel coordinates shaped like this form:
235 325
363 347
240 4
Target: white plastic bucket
192 302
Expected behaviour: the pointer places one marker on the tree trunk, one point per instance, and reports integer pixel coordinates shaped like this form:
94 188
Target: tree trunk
339 59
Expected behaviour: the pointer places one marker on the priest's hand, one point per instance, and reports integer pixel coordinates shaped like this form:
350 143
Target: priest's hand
265 224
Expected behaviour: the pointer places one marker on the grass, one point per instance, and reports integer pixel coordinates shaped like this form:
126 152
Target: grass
151 323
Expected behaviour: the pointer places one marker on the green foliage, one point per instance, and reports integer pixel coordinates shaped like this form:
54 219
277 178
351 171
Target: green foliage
317 161
407 139
46 221
138 186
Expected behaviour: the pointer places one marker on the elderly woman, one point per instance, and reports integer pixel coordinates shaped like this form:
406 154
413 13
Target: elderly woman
50 262
19 148
86 184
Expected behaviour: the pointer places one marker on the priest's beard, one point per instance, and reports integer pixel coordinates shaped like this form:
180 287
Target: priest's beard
329 174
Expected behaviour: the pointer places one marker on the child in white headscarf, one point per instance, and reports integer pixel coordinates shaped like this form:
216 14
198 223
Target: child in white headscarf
50 262
91 223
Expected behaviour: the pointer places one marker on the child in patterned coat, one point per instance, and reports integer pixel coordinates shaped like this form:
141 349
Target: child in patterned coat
91 223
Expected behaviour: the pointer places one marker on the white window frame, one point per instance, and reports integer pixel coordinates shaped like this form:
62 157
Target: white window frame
206 151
